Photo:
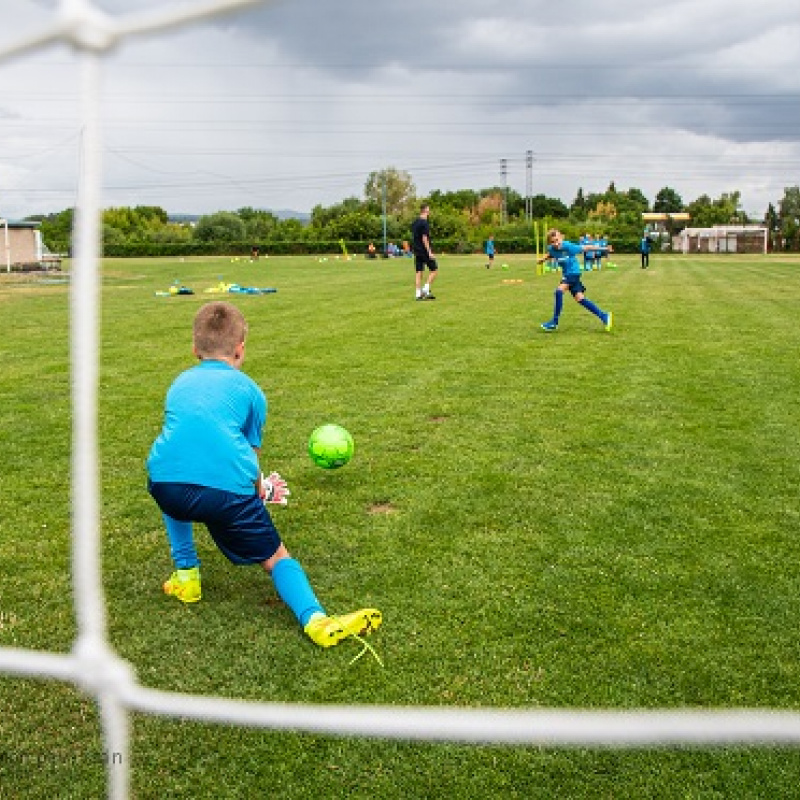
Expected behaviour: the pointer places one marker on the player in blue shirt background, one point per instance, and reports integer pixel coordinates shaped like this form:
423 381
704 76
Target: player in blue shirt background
588 254
645 246
204 467
565 254
489 250
602 243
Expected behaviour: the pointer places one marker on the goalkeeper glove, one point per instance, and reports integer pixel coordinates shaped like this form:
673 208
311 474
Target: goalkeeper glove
274 489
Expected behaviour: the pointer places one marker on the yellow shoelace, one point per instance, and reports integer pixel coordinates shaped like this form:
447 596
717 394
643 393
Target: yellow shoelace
366 646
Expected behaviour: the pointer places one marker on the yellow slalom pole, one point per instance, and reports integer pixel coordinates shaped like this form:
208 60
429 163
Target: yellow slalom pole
543 231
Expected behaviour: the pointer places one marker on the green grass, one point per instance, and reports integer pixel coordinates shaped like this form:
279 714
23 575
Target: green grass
572 520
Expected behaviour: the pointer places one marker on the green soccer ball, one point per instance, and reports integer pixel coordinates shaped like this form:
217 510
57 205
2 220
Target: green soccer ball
330 446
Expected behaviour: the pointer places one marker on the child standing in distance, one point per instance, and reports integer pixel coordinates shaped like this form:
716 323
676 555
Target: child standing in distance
489 250
423 254
203 467
588 252
565 255
602 242
645 245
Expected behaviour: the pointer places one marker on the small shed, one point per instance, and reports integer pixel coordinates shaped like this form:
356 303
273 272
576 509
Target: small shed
722 239
21 247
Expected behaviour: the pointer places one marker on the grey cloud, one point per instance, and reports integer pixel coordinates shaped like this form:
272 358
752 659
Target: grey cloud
677 60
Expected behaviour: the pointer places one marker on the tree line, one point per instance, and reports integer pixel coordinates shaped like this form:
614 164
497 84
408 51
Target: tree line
460 220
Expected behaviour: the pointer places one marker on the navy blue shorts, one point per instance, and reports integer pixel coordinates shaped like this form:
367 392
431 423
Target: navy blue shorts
574 284
240 525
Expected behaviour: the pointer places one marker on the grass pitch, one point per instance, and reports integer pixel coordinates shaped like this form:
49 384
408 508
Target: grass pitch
578 519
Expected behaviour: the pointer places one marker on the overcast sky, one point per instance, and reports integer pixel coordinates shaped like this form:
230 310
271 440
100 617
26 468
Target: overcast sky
293 104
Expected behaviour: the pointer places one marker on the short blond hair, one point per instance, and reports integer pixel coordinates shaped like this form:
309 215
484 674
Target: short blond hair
552 233
219 328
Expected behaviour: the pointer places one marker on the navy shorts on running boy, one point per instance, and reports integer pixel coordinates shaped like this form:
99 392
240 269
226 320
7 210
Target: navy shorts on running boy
240 525
574 284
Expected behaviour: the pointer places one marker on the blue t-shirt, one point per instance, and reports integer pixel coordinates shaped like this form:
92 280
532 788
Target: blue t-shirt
587 255
214 416
489 249
565 257
645 244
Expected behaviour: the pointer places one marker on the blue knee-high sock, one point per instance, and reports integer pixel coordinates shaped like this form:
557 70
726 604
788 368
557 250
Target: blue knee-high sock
294 589
559 295
590 306
181 543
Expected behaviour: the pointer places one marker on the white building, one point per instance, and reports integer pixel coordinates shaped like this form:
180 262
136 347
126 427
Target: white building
722 239
21 247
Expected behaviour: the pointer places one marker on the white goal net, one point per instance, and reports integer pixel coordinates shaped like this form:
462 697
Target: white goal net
95 668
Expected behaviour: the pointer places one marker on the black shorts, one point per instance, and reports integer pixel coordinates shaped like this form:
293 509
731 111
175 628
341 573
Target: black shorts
422 260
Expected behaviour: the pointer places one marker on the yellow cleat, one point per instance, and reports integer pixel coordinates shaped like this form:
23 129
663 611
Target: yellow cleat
328 631
184 584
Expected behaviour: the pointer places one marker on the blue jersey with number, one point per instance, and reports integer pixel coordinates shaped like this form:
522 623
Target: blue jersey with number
565 257
214 416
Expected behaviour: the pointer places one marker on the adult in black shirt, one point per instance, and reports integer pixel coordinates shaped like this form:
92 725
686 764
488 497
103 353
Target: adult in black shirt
423 254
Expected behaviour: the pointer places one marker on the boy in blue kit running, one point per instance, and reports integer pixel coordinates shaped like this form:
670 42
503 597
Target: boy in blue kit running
565 255
203 467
